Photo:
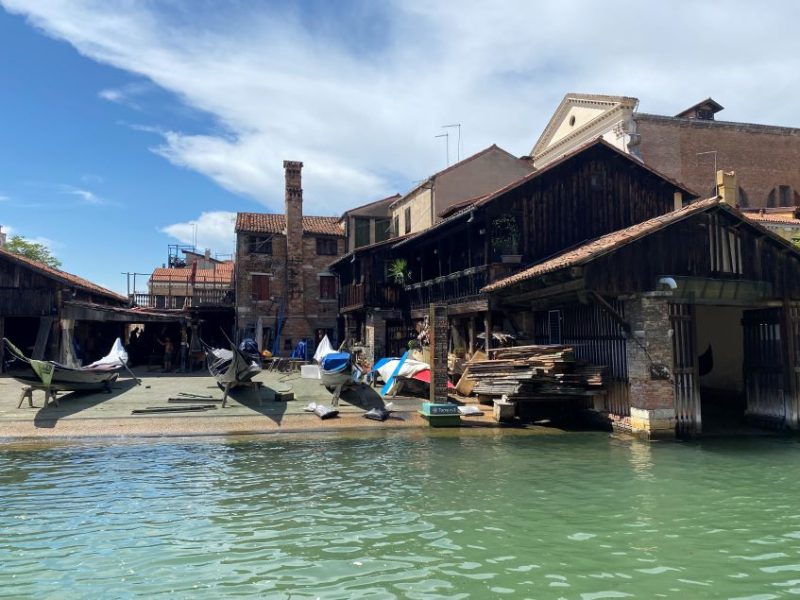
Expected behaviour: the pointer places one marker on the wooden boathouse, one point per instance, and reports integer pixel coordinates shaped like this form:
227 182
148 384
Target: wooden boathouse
696 314
42 309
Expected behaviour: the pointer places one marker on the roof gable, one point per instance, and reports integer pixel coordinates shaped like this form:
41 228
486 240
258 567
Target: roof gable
577 113
62 276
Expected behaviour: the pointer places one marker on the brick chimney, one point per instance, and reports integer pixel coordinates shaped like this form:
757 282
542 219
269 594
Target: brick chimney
294 208
296 324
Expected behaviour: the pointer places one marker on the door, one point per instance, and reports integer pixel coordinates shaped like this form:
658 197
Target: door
764 366
684 360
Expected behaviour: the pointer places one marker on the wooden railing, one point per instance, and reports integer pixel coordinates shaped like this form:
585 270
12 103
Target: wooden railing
212 297
358 295
461 285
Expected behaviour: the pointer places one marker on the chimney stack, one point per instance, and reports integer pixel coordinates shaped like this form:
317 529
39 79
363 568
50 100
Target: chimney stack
727 189
294 207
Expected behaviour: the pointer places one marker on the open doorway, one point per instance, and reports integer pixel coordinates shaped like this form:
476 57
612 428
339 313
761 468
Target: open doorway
720 358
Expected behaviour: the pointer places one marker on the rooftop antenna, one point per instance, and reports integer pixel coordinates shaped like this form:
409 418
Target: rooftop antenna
714 152
458 147
447 142
194 236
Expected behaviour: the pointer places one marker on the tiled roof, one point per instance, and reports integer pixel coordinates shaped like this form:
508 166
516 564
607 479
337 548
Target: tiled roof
768 219
63 276
604 244
276 223
223 273
367 248
377 208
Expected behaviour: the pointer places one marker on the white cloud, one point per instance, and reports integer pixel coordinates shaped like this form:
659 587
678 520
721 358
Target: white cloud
85 196
126 94
361 109
212 230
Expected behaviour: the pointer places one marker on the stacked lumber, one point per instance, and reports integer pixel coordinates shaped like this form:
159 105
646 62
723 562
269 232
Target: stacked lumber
533 373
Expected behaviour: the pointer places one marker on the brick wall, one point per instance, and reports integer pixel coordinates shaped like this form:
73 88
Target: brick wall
652 399
763 157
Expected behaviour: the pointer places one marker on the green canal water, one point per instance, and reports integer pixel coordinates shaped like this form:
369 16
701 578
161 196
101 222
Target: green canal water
402 515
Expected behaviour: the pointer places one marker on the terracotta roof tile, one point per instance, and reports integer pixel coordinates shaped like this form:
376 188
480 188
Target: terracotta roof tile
768 219
223 273
603 245
63 276
276 223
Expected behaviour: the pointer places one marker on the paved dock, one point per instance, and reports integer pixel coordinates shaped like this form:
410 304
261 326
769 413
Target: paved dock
103 414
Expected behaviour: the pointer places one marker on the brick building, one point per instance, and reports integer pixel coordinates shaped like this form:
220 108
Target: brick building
688 147
284 290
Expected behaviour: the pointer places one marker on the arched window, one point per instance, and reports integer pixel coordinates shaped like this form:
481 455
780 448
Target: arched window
744 201
781 195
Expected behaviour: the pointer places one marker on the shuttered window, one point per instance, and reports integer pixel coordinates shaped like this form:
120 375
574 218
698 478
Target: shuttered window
260 287
362 232
382 230
327 287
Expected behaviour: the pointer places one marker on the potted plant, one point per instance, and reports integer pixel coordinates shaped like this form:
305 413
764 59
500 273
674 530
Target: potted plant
505 239
398 271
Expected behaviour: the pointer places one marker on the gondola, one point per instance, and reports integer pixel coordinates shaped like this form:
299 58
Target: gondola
339 371
232 367
96 376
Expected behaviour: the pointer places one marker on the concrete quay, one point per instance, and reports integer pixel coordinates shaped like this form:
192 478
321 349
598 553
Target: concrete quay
103 414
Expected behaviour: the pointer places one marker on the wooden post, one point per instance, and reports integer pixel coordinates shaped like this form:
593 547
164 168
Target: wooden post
487 327
2 345
471 334
437 333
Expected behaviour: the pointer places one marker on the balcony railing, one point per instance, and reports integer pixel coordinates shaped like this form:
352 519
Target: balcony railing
212 297
461 286
359 295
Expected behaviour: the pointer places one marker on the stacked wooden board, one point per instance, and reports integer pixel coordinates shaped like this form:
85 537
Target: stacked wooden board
534 373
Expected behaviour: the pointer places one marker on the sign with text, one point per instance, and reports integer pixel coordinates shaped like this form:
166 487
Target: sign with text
437 334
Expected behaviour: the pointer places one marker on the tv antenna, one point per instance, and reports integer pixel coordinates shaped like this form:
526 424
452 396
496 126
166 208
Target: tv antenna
714 152
458 147
446 137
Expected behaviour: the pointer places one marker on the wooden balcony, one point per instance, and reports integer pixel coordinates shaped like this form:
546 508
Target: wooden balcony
199 298
461 286
361 295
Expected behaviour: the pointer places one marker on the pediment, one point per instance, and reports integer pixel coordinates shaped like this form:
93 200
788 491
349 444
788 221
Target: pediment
578 112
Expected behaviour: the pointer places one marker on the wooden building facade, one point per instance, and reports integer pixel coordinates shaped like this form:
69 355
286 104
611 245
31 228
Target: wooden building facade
696 315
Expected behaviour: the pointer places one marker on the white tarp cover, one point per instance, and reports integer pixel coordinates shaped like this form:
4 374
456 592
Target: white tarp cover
116 357
323 349
409 368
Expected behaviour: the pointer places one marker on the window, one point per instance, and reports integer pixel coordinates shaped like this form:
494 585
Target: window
407 218
258 244
396 227
327 287
381 230
725 247
259 286
362 232
327 246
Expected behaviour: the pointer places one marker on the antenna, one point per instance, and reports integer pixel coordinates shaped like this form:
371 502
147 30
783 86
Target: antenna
194 236
447 141
458 147
714 152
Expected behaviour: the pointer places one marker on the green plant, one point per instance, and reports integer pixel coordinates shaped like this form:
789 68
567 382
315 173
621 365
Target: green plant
398 271
505 235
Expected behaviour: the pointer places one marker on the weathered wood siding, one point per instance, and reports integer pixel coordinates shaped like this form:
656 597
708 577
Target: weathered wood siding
692 248
593 194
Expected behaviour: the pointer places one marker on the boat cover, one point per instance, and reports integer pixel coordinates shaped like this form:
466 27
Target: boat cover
116 357
335 362
409 368
323 350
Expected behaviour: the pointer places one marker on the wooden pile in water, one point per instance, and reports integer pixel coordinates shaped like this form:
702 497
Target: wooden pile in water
534 373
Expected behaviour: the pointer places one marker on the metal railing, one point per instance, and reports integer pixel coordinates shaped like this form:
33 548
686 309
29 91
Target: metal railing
461 285
212 297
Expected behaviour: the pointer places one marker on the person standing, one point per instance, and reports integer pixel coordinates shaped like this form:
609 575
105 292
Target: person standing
169 348
184 348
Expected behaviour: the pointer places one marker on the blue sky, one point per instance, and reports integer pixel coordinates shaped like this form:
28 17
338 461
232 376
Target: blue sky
127 126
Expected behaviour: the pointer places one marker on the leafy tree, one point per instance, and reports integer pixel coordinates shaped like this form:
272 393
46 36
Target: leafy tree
33 250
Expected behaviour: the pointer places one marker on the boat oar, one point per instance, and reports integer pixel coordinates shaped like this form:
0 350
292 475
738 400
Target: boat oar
136 379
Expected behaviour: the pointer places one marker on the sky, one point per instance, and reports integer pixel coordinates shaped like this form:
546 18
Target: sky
130 125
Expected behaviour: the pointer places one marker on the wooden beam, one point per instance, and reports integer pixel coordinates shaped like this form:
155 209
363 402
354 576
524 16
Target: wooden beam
612 312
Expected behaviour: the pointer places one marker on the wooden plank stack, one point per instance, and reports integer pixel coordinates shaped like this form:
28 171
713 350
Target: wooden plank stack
534 373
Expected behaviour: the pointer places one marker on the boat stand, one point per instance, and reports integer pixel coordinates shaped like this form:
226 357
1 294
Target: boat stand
49 395
229 386
337 391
